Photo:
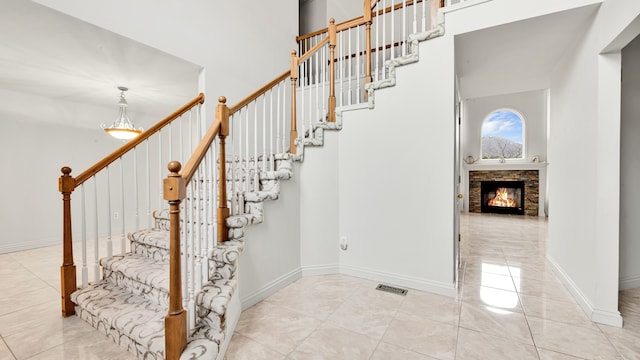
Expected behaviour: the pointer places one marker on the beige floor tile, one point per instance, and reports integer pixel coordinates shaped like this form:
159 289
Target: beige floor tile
433 306
498 322
548 289
243 348
328 342
481 346
549 309
386 351
279 328
625 340
490 280
363 318
496 298
422 335
573 340
5 353
14 301
552 355
87 347
308 300
30 318
48 335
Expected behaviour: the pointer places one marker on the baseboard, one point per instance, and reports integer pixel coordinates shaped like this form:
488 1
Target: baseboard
271 288
317 270
28 245
612 318
401 280
629 283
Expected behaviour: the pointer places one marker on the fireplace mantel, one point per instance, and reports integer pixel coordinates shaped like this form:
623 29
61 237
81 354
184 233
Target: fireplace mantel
507 166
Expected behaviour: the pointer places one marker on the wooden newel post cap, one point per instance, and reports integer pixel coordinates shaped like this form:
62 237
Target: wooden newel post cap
174 187
332 21
293 53
174 168
222 100
66 184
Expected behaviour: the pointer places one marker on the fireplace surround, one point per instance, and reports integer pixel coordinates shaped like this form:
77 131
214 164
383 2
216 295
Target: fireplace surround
502 197
530 178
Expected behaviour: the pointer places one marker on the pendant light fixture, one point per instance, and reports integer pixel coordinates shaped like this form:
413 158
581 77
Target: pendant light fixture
123 128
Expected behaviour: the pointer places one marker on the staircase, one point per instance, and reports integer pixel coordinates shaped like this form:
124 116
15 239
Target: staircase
130 300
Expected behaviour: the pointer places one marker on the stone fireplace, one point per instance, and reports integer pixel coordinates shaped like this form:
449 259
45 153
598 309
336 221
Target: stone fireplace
520 195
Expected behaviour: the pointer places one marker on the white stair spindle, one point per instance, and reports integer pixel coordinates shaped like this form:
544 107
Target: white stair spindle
404 27
415 16
96 245
424 15
359 54
109 241
136 196
255 146
85 270
302 91
392 30
161 172
271 149
264 132
247 167
342 63
377 47
148 170
123 237
383 66
350 74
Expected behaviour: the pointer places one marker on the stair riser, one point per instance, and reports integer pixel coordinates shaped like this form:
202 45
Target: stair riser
152 252
158 296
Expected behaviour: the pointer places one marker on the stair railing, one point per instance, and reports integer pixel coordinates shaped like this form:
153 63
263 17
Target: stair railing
365 45
119 192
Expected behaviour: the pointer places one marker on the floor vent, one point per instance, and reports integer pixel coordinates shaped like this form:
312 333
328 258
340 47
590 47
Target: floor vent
392 289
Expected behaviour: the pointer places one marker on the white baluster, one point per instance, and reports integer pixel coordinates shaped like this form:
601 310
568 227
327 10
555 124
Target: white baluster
377 47
247 167
359 54
303 80
404 27
96 245
383 66
350 74
85 270
109 243
160 172
415 16
136 197
271 149
264 132
393 30
148 170
424 15
343 61
123 240
255 145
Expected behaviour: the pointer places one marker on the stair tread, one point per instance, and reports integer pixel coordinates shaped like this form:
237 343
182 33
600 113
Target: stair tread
142 269
152 237
133 316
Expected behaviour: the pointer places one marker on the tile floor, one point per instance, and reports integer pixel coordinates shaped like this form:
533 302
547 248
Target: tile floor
510 306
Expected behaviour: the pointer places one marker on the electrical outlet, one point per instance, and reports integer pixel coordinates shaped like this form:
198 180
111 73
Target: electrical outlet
116 215
343 243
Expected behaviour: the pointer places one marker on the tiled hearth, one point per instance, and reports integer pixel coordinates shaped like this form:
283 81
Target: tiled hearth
531 187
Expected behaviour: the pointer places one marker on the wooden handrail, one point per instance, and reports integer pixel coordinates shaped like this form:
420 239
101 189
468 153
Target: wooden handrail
360 20
233 109
87 174
315 48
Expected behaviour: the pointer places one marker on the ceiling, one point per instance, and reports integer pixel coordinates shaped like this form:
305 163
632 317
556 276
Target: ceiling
56 68
519 55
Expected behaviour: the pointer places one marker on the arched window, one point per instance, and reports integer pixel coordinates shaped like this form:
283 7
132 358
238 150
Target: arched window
503 135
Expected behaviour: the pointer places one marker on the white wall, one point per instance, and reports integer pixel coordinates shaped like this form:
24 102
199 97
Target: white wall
34 153
630 168
396 178
313 16
271 259
584 146
227 38
532 105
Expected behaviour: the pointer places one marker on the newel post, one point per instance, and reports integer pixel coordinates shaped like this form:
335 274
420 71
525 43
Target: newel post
294 77
66 185
175 323
332 70
222 113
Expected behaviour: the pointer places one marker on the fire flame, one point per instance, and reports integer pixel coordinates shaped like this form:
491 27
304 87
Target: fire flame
502 199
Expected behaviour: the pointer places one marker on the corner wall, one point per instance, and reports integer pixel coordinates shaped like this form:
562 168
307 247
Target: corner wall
396 178
630 168
584 156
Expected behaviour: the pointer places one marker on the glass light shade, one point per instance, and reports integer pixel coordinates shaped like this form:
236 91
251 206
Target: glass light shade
123 128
